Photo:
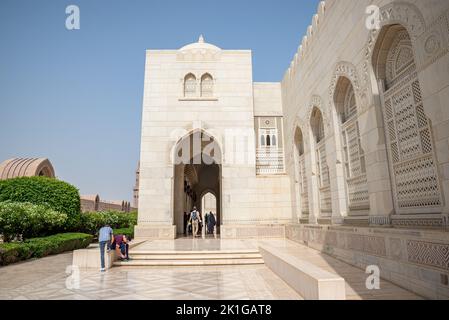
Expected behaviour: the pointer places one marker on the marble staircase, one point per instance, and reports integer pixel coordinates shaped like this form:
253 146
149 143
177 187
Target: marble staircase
147 258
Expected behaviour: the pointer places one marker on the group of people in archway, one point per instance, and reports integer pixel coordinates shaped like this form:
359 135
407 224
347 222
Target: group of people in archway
193 223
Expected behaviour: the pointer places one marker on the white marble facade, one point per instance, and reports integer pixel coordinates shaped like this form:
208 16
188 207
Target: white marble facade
358 129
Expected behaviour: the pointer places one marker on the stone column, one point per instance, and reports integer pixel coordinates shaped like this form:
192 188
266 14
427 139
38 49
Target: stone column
372 137
336 171
311 169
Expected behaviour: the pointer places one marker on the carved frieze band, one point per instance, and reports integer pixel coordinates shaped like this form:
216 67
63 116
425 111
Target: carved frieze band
427 253
424 253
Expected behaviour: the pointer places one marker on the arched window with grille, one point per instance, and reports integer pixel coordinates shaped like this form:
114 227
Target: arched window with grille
190 86
207 86
353 154
301 174
322 168
411 153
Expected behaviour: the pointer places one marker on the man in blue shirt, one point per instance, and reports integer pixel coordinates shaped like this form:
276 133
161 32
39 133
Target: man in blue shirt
106 237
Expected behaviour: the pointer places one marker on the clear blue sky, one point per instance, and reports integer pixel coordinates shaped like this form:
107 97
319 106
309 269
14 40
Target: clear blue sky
75 97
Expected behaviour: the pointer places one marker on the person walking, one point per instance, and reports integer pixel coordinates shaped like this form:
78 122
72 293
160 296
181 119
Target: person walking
105 238
195 219
211 223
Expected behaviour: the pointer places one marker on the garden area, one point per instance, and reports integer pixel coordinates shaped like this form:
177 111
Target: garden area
42 216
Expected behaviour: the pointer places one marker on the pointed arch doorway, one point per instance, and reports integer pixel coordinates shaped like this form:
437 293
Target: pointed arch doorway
197 172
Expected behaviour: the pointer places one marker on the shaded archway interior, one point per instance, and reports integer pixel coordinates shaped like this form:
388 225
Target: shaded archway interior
198 174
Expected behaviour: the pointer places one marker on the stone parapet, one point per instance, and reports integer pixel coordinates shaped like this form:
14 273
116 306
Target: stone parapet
417 260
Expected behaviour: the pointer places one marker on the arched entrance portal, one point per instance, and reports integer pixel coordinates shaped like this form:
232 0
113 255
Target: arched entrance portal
197 172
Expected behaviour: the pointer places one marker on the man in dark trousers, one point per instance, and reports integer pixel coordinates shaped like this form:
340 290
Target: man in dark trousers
186 223
211 222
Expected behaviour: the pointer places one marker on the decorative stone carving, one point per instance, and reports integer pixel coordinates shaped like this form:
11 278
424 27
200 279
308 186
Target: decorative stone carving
403 13
429 254
434 43
348 70
406 14
315 101
374 245
418 222
379 220
395 249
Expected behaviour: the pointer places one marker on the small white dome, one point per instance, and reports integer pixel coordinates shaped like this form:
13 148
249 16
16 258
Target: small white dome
200 45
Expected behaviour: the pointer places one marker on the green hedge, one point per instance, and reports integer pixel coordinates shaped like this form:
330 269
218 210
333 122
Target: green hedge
91 222
26 220
41 247
58 195
128 232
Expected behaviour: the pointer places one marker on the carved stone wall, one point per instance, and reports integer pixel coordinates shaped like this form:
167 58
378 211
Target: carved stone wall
415 260
406 192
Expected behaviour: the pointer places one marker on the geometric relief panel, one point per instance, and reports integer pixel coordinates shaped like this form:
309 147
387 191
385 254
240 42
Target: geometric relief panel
331 239
355 242
395 248
374 245
428 254
367 244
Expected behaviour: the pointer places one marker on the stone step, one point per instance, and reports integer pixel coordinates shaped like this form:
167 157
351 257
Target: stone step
195 256
210 252
174 263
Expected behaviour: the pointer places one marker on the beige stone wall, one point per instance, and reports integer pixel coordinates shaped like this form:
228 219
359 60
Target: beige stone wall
267 99
338 44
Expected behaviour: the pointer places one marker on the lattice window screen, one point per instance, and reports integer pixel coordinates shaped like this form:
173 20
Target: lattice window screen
324 180
354 158
408 132
269 154
303 186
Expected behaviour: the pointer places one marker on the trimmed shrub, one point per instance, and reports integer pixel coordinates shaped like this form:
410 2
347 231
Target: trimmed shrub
91 222
27 220
13 252
128 232
41 247
58 195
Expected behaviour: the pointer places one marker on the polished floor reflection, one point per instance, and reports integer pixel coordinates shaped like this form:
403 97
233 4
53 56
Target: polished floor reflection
198 244
47 278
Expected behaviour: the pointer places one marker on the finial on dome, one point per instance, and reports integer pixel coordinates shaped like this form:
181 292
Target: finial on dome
201 39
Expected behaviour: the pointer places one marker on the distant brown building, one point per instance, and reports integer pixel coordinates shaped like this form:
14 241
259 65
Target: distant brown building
93 203
114 205
26 167
90 203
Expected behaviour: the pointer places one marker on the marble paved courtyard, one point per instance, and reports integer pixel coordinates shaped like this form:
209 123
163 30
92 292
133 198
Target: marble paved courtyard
46 278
